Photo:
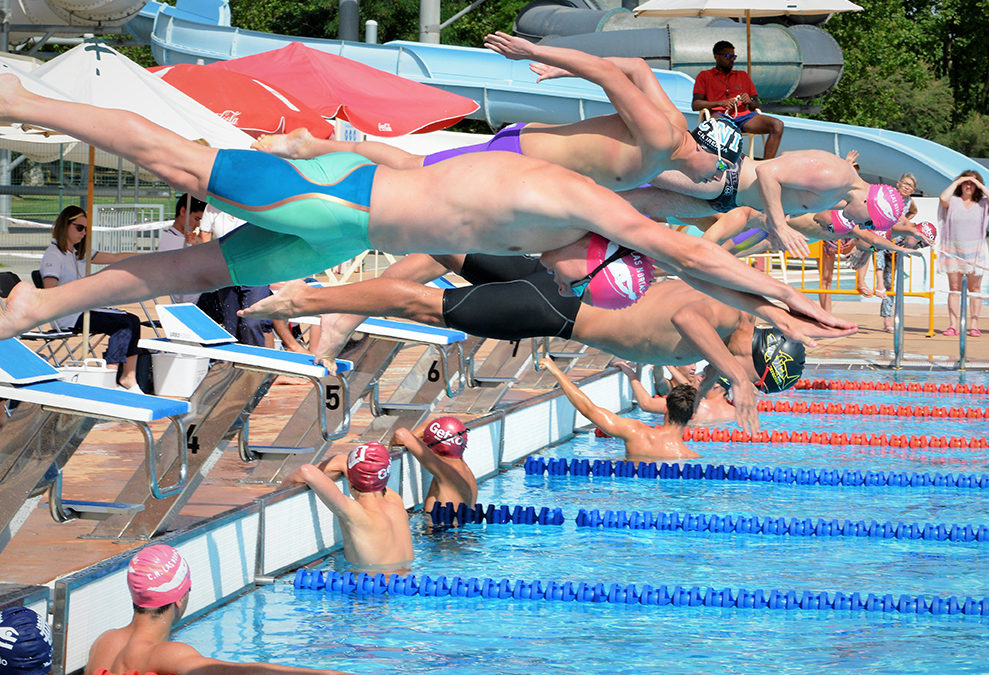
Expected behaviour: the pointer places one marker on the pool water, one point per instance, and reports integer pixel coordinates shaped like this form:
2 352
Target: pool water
365 634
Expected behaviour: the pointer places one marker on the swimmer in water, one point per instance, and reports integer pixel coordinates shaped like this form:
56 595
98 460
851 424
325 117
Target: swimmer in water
643 443
159 581
376 536
711 408
514 298
646 136
307 216
441 453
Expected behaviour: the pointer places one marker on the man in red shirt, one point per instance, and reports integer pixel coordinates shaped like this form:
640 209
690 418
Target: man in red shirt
729 92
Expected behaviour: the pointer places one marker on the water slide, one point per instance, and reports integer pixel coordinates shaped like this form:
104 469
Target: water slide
199 31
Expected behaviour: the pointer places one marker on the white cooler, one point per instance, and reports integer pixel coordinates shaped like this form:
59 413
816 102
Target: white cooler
176 374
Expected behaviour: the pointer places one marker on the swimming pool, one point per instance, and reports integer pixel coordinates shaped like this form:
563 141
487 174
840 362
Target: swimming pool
368 634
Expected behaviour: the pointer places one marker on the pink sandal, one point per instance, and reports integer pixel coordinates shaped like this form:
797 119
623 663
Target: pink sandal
950 332
974 332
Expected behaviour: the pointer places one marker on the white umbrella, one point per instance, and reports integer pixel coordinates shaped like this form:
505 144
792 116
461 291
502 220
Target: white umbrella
745 8
99 75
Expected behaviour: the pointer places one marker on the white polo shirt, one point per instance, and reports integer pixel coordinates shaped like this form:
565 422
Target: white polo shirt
173 239
65 267
219 223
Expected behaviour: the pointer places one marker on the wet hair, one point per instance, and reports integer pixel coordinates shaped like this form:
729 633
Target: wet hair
680 404
722 45
60 230
195 205
152 611
970 173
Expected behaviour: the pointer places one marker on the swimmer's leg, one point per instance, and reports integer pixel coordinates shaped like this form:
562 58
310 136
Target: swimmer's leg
731 224
181 163
300 144
190 270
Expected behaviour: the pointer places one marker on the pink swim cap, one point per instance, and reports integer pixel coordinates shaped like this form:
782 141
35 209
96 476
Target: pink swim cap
885 206
623 281
158 576
446 436
839 223
368 467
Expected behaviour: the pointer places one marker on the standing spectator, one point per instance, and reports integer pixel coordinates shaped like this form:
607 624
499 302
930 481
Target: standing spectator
64 261
731 93
963 217
222 304
182 233
906 186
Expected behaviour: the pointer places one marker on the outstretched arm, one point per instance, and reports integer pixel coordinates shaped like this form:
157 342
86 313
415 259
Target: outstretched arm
771 176
649 123
342 506
182 659
694 322
606 421
642 397
698 260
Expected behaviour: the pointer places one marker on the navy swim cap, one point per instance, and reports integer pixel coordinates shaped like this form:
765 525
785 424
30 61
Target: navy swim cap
778 360
25 642
719 137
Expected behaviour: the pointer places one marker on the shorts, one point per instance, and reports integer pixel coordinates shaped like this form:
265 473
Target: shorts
304 216
511 309
741 119
506 140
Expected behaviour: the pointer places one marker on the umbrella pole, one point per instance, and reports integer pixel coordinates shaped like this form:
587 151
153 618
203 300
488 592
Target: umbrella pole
748 41
90 188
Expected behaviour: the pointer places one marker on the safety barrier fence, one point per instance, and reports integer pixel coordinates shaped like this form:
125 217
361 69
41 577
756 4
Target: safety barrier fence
815 407
704 434
447 514
347 583
755 474
869 385
923 288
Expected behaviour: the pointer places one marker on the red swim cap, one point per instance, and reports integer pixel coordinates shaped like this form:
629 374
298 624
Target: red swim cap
928 230
368 467
623 281
158 576
446 436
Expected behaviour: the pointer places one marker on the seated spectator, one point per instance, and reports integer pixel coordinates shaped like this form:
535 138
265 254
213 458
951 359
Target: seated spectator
375 527
25 642
642 442
159 581
182 233
731 93
64 261
222 304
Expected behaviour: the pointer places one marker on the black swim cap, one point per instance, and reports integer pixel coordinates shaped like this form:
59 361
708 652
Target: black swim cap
778 360
719 137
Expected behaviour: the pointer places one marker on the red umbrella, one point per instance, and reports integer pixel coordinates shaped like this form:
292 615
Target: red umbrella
250 104
374 101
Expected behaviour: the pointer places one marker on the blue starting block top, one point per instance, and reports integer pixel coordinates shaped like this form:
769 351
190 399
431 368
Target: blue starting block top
198 335
26 377
411 332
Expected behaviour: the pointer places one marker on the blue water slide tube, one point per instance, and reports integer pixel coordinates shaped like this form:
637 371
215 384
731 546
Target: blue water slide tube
198 31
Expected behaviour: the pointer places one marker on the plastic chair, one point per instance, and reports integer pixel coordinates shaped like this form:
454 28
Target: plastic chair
52 339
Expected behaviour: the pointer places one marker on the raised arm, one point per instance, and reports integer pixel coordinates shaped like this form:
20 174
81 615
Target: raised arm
326 489
771 177
642 397
648 121
694 322
430 461
606 421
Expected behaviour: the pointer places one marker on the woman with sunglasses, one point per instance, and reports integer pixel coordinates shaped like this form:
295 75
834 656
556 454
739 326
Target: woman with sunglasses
64 261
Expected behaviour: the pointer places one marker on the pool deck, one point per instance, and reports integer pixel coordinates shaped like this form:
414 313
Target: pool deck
43 550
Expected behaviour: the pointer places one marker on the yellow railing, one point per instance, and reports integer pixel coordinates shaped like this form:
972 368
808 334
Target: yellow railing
910 292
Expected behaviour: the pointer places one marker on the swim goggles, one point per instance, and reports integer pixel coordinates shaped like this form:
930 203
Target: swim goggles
579 287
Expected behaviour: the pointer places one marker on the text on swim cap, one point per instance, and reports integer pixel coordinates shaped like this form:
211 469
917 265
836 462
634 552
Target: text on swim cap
456 437
8 636
725 136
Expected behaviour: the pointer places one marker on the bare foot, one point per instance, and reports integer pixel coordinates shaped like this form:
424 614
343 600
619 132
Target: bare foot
296 144
278 305
21 313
